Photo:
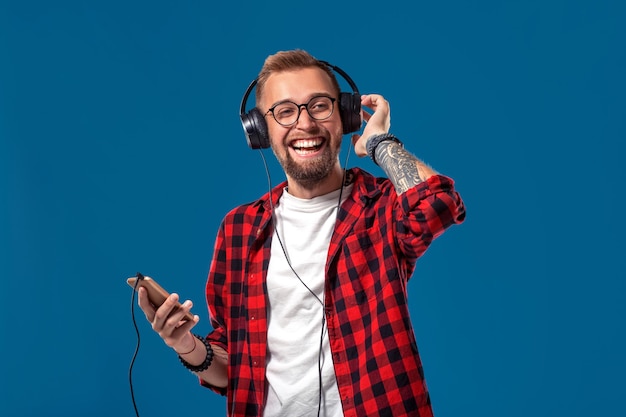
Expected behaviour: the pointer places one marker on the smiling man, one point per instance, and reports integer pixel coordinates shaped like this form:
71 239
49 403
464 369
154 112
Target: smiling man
306 138
307 289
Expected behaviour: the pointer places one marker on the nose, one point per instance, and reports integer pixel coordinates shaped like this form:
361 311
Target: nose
305 121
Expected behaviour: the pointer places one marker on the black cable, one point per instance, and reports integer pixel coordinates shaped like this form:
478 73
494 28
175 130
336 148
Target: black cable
132 362
343 183
319 366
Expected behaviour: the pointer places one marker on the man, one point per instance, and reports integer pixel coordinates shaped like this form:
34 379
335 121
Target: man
307 288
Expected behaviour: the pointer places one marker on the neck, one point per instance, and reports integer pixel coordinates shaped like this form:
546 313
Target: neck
332 182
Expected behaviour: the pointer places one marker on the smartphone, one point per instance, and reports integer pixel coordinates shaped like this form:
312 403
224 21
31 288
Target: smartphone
156 294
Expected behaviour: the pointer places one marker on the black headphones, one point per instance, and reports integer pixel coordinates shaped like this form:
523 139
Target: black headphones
255 126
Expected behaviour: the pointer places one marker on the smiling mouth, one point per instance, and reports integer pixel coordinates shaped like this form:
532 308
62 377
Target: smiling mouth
307 146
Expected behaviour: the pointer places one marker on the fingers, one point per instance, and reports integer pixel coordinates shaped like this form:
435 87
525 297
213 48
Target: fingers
373 101
380 120
375 123
167 320
169 316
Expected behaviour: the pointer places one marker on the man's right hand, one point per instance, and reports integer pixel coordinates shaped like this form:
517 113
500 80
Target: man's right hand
167 321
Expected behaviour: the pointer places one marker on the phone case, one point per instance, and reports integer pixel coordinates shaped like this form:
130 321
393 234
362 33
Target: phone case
156 294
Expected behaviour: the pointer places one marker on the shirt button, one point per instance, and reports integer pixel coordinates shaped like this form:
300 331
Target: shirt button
252 318
258 232
255 363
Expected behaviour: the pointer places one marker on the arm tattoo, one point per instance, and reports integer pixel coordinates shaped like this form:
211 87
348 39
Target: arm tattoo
403 169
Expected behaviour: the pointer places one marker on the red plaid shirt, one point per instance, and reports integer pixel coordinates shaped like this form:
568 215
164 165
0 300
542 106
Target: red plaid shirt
376 242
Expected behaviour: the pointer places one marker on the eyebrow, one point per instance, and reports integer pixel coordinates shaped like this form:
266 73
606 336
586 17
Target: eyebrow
310 96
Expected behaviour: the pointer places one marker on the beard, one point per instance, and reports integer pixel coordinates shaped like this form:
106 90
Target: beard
309 173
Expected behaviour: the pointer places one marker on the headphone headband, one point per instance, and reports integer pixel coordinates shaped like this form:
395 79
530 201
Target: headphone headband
244 100
343 74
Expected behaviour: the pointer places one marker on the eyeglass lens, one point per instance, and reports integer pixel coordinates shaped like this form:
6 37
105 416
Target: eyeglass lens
319 108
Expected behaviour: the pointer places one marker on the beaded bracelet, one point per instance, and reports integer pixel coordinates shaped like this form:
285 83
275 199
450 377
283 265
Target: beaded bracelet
374 141
207 360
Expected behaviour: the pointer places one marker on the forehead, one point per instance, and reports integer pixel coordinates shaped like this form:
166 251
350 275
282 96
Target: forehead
296 85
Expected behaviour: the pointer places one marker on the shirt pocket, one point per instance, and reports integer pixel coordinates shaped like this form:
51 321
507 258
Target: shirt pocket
364 254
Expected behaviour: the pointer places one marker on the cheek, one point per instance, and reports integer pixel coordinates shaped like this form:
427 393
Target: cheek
277 134
337 129
277 143
337 133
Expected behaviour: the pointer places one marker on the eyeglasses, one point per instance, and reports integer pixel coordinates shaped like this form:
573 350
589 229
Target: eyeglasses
288 112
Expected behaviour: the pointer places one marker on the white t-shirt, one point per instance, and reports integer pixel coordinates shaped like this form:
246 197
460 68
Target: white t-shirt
295 316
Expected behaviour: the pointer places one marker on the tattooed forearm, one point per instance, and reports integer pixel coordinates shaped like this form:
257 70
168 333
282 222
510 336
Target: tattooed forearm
403 169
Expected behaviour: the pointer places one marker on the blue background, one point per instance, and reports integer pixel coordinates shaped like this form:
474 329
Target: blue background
121 149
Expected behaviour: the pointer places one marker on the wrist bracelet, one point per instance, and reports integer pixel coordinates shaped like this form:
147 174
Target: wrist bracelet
374 140
207 360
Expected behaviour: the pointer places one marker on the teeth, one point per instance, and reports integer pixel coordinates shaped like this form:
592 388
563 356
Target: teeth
304 151
306 143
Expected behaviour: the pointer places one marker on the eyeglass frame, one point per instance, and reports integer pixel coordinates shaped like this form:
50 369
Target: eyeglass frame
299 106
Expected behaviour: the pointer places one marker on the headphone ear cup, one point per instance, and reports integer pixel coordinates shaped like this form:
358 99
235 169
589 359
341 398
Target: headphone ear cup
350 111
255 128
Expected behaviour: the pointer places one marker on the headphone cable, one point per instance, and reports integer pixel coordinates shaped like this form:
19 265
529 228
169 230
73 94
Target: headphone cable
323 304
132 362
